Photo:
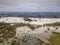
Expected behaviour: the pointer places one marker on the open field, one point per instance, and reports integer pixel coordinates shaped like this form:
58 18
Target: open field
29 31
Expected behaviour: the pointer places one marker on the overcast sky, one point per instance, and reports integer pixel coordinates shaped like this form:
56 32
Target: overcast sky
30 5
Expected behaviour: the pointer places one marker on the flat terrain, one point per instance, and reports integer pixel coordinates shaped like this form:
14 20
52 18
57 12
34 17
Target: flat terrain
29 33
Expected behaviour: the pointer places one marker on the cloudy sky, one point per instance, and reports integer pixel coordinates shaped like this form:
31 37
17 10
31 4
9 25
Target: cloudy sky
30 5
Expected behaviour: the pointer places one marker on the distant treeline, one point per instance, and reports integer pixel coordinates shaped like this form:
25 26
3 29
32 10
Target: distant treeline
32 14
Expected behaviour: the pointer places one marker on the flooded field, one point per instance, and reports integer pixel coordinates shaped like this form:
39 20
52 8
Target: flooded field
29 31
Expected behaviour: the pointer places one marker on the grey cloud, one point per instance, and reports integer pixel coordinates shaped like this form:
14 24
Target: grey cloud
30 5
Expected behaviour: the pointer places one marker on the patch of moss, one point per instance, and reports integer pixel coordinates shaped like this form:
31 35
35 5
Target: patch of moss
55 39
